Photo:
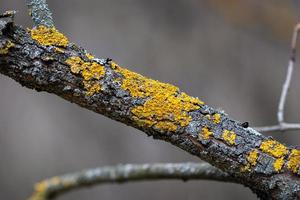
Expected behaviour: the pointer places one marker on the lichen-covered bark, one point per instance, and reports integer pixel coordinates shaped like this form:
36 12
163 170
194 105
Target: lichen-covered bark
161 110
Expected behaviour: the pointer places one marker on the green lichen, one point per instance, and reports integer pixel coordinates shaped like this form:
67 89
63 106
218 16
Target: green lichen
49 36
91 72
166 108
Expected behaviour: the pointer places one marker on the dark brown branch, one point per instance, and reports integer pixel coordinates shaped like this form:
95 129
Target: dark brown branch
58 185
160 110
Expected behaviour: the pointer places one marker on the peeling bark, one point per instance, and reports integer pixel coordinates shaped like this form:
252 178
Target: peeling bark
269 168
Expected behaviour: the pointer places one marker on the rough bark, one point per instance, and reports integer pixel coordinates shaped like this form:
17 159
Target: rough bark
269 168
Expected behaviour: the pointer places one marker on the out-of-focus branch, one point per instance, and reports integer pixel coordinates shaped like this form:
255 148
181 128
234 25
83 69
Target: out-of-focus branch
288 79
282 126
40 13
55 186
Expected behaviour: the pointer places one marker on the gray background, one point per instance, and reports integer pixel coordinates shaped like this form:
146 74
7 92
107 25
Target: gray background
232 55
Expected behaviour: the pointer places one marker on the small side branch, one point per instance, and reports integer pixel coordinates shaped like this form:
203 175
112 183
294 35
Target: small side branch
282 125
279 127
55 186
289 74
40 13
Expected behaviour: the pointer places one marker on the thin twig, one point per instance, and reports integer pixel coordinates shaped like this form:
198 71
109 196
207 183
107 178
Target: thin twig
286 85
279 127
40 13
124 173
282 125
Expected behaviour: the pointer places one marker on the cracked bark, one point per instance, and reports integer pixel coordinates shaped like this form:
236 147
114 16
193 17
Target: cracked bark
44 68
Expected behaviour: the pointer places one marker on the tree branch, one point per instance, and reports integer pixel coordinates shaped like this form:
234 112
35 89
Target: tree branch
43 59
287 82
282 126
40 13
56 186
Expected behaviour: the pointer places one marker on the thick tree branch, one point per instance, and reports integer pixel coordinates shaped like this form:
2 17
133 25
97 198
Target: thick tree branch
55 186
43 59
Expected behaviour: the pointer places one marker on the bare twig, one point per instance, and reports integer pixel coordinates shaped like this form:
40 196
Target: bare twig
282 126
40 13
289 74
124 173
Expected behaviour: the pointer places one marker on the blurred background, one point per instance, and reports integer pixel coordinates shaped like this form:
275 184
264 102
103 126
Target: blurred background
232 54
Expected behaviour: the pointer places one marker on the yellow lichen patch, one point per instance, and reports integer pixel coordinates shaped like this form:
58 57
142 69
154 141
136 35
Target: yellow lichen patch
165 108
294 160
76 64
208 117
49 36
229 137
114 65
92 88
5 49
278 164
217 118
205 133
41 188
251 159
89 56
91 72
273 148
59 50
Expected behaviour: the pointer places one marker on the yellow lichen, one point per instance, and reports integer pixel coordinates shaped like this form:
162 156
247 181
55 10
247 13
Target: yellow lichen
40 189
205 133
59 50
294 160
165 108
49 36
278 164
273 148
114 65
91 72
89 56
92 88
251 159
229 137
5 49
208 117
216 118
